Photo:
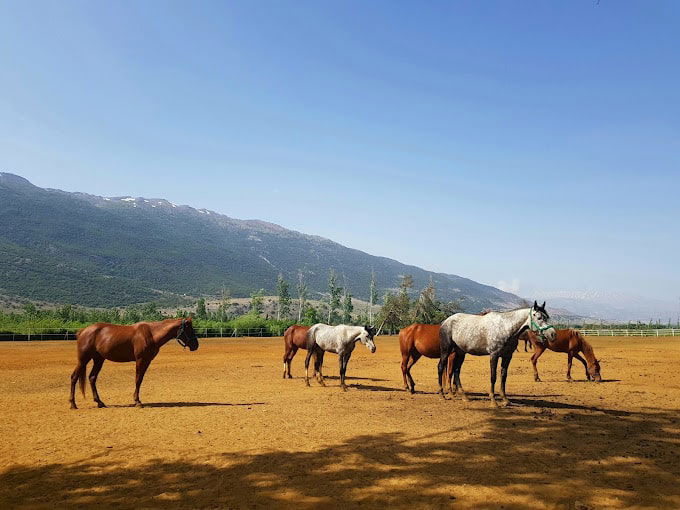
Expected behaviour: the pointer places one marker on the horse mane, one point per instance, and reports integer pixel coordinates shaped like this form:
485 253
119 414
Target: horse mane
586 348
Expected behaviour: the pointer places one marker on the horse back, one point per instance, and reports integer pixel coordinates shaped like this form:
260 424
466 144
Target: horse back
424 338
296 335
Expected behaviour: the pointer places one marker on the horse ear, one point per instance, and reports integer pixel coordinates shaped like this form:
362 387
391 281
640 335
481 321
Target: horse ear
535 305
543 305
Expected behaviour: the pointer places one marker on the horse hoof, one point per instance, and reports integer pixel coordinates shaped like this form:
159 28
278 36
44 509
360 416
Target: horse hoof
465 398
139 404
290 376
307 383
493 403
101 404
505 403
344 388
537 380
73 406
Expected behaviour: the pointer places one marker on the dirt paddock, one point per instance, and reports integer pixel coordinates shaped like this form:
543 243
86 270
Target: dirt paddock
222 429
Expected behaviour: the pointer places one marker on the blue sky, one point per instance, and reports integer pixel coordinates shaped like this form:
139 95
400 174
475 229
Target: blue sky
531 143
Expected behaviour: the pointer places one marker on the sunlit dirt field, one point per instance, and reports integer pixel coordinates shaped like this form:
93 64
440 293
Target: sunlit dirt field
222 429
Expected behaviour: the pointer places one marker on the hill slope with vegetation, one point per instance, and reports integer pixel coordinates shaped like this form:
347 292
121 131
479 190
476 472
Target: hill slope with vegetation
82 249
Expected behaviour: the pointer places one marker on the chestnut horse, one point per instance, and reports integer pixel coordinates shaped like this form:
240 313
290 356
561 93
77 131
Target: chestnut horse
139 343
294 338
571 342
415 341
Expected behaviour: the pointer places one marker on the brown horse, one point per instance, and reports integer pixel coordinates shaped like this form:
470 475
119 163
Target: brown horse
415 341
294 338
571 342
139 343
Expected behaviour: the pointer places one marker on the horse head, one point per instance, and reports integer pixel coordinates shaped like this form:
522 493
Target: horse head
186 336
538 322
366 337
594 370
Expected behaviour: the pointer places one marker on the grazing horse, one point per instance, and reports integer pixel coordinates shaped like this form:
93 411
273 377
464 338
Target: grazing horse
494 334
571 342
294 338
338 339
138 342
415 341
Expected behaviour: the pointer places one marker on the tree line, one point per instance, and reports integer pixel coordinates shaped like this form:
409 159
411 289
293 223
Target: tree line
336 306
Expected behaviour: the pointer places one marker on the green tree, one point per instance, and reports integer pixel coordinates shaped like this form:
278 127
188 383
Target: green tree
334 293
257 302
201 310
302 295
392 314
150 312
132 315
283 308
65 312
311 316
426 308
30 310
223 310
347 308
372 296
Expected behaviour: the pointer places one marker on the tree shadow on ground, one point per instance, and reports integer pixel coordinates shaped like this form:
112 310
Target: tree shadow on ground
530 452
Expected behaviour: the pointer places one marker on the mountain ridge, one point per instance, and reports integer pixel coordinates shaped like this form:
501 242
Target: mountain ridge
129 247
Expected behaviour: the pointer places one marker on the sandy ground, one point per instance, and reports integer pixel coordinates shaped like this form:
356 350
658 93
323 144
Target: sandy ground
222 429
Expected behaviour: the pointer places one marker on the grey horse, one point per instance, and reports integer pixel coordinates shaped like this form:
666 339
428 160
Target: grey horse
342 339
494 334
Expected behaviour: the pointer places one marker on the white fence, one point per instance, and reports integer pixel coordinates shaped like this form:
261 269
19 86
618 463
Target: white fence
630 332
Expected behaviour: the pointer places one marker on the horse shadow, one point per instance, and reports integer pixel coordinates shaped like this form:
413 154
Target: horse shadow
348 378
190 404
370 387
600 382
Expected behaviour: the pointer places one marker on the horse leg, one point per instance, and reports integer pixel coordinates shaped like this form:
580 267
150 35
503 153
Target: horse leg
78 375
443 362
569 360
286 363
449 373
493 364
289 361
505 363
310 351
534 360
97 363
344 360
142 365
318 365
415 356
458 363
585 365
405 358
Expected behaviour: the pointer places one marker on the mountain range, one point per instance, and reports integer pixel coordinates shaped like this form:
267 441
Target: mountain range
77 248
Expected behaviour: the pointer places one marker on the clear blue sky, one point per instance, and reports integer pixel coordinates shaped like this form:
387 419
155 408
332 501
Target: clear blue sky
535 142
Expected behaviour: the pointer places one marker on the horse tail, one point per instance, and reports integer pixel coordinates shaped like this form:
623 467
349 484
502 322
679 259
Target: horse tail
84 337
404 338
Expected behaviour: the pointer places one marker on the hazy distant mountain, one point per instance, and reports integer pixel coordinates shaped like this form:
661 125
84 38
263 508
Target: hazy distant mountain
614 306
84 249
